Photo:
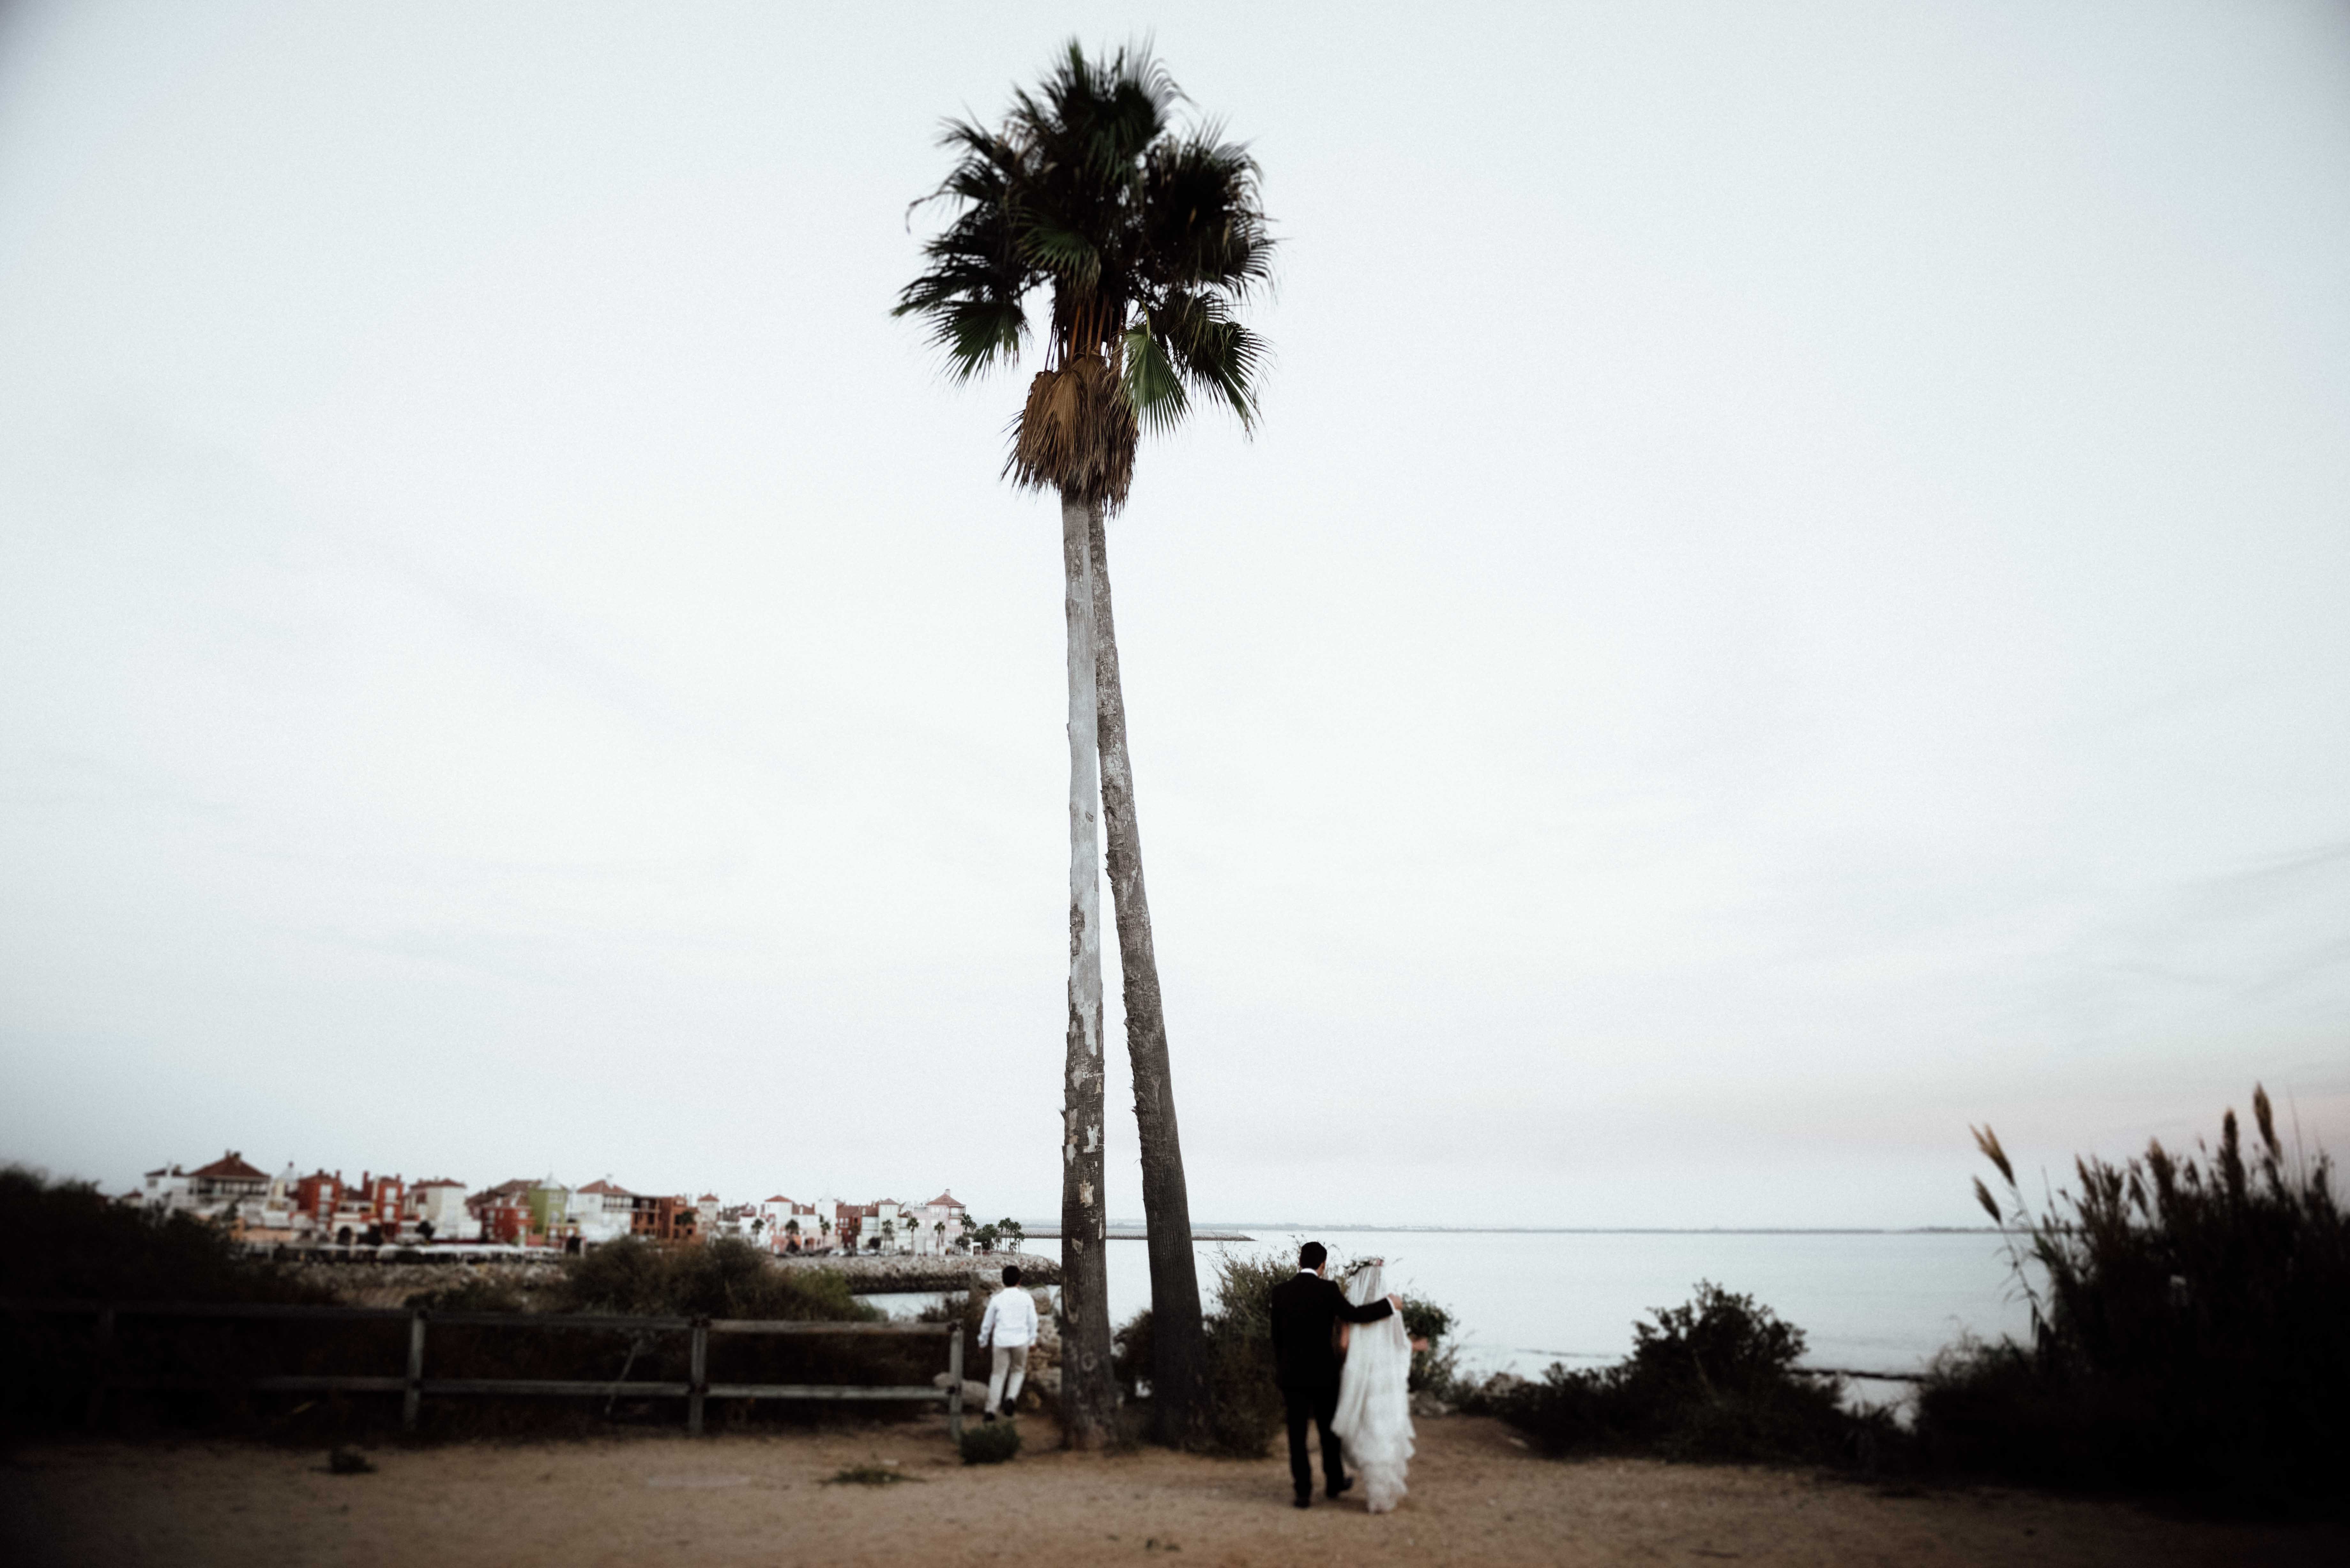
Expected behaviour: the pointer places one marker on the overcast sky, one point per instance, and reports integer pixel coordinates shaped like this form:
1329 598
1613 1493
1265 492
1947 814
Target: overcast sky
1789 599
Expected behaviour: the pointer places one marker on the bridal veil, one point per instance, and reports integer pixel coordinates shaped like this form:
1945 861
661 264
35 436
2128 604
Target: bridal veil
1374 1418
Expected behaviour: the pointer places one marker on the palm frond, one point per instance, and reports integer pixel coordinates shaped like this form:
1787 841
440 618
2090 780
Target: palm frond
1154 389
1205 226
1211 352
1066 253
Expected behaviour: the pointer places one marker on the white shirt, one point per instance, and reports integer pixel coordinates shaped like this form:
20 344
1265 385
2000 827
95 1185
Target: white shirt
1011 1319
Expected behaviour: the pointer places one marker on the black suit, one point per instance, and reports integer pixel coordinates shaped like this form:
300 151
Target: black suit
1306 1312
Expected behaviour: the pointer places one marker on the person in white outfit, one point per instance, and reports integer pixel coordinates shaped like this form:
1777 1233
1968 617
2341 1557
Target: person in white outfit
1009 1329
1373 1418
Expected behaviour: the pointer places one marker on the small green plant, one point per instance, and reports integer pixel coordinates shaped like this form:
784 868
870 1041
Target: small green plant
869 1475
990 1443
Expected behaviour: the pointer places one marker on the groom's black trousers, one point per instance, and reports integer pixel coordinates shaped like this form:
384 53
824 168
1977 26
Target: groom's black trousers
1317 1404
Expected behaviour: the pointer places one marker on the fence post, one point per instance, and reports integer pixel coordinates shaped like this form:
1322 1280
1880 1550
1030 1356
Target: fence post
701 1376
954 1389
102 1364
415 1394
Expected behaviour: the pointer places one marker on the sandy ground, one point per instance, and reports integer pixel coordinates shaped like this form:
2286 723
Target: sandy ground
1476 1498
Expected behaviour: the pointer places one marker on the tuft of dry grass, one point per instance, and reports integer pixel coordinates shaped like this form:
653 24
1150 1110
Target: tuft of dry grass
2187 1312
867 1475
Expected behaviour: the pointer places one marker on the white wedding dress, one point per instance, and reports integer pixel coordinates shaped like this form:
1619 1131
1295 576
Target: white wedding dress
1374 1418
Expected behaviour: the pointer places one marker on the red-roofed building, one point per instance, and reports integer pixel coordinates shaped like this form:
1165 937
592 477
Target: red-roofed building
318 1195
502 1213
227 1190
936 1226
227 1179
671 1218
781 1225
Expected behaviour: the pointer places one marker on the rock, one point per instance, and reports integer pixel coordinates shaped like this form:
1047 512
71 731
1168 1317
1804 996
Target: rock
974 1394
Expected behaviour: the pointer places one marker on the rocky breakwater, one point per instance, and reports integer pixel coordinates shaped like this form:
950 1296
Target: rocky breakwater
872 1274
385 1284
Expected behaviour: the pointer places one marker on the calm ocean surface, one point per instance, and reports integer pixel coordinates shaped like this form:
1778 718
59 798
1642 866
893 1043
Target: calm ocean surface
1873 1302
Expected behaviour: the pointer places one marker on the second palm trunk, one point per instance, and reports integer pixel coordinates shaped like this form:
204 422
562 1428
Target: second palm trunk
1179 1366
1088 1390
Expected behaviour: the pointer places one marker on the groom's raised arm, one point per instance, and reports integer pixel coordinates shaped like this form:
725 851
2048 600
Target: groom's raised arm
1370 1312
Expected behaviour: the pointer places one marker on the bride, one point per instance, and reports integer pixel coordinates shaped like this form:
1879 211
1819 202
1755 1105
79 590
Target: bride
1374 1419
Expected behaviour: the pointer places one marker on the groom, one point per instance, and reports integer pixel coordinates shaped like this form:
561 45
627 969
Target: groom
1306 1312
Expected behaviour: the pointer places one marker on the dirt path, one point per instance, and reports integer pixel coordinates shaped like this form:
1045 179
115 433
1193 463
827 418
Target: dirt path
1476 1499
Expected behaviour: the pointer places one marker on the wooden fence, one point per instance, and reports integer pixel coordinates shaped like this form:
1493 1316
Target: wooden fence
414 1387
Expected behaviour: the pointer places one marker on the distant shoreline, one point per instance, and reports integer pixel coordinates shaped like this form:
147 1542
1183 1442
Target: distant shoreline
1257 1232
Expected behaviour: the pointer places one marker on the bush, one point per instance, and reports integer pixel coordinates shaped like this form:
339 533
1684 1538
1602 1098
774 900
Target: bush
475 1294
1131 1351
1243 1406
990 1442
66 1242
1714 1379
2188 1335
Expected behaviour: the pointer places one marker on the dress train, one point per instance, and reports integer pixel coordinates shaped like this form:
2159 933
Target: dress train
1374 1418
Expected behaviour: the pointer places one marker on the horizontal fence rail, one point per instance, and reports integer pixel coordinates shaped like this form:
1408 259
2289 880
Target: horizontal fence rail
414 1387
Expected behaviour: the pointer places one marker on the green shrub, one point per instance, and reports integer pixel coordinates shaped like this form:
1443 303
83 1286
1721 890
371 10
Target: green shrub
66 1241
1712 1379
1131 1350
2187 1329
1243 1410
990 1442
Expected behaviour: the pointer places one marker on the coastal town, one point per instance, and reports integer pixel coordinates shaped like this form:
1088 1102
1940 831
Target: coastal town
325 1209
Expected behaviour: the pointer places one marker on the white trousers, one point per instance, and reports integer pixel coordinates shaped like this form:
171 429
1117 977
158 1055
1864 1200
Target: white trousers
1011 1359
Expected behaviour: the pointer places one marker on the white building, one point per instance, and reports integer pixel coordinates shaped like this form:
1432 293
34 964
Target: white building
441 1203
938 1224
601 1211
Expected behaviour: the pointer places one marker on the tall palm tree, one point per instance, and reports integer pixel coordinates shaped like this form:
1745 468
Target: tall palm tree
1148 238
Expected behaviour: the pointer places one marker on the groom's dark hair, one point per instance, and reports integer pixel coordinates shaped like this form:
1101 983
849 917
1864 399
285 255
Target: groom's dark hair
1312 1255
1011 1274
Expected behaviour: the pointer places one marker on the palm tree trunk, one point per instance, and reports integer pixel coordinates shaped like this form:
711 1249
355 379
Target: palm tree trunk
1088 1390
1178 1347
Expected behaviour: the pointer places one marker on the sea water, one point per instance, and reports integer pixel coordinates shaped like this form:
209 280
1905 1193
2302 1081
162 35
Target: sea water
1866 1301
